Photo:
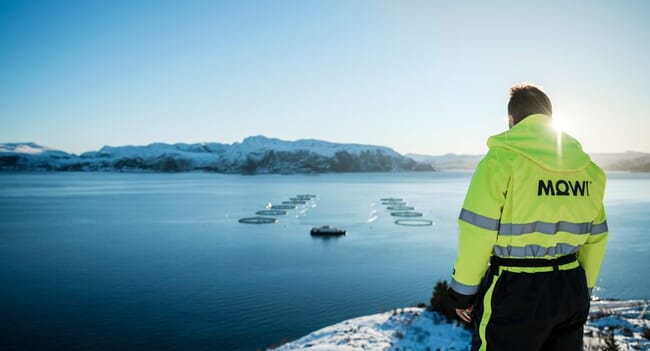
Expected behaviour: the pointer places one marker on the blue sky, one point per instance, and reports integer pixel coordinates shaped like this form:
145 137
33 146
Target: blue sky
419 76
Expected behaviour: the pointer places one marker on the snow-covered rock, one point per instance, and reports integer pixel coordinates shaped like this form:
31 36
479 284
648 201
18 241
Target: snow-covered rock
256 154
416 329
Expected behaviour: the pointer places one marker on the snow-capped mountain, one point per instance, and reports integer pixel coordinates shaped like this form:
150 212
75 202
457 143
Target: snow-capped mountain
629 161
257 154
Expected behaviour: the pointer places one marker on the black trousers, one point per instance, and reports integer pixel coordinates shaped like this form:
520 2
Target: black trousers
543 311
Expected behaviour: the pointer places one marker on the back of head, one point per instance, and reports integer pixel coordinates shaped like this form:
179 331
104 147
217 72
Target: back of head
535 139
527 99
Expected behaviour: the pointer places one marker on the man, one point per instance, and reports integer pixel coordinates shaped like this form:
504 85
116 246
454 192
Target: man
534 211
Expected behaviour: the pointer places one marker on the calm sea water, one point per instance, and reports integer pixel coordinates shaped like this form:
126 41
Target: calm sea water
158 261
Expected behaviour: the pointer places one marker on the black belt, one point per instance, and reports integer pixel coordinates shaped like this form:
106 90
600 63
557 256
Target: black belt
496 261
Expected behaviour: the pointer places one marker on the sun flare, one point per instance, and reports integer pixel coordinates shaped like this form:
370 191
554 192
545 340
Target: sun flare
559 123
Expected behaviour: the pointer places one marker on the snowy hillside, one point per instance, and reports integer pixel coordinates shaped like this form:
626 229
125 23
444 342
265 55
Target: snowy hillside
31 149
253 155
416 329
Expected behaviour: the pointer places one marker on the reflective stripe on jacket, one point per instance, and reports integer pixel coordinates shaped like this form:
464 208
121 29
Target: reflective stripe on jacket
535 194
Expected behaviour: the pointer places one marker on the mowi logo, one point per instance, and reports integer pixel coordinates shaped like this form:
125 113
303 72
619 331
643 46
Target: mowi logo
563 187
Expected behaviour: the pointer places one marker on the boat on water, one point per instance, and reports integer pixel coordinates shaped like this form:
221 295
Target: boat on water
328 230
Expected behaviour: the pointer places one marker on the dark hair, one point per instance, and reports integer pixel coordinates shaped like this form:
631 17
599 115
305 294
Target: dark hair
527 99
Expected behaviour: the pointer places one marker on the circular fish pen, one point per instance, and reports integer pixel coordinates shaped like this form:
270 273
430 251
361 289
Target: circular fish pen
258 220
400 208
418 222
294 202
392 199
300 198
282 207
406 214
271 212
396 203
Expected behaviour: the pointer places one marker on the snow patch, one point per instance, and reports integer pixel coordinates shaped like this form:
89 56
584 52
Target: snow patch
409 329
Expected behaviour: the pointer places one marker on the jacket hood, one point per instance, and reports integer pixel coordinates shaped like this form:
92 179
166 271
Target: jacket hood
536 139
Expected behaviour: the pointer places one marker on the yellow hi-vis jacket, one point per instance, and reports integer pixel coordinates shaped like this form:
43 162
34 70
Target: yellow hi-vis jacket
535 194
